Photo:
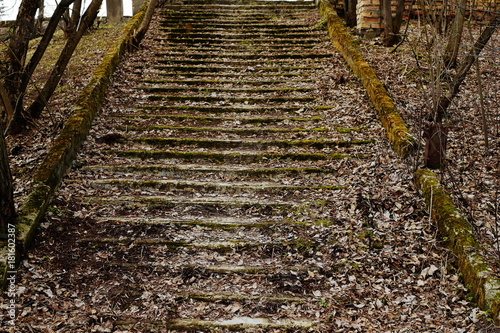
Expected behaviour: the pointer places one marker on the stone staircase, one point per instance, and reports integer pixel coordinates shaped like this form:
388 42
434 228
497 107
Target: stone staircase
214 181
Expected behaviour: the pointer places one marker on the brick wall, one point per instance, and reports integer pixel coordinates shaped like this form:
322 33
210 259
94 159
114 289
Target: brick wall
368 15
368 12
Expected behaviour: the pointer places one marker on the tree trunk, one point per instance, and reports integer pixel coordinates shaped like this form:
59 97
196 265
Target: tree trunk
55 76
19 120
398 18
387 17
453 45
76 14
435 136
18 48
392 25
7 107
39 21
141 32
445 100
350 12
7 210
136 5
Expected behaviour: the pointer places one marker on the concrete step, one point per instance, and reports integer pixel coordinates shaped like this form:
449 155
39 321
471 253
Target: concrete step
223 90
195 170
134 118
229 81
235 109
234 62
217 55
222 40
225 156
249 144
236 324
200 187
268 29
218 223
231 99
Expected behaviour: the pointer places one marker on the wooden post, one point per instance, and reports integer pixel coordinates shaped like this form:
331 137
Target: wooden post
435 136
115 10
136 5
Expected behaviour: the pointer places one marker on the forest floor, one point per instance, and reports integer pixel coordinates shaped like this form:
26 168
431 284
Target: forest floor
472 170
429 289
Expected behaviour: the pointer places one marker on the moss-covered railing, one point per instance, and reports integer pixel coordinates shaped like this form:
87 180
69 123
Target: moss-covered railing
479 278
58 161
397 132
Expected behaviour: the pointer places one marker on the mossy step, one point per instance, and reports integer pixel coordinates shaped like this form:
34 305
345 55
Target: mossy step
236 7
253 144
221 4
231 11
219 246
221 43
225 69
257 270
179 171
232 297
228 245
211 223
243 47
229 40
226 11
205 186
239 4
133 117
234 13
263 28
239 81
295 76
165 201
243 55
215 25
229 17
246 3
209 90
240 109
233 130
194 23
238 31
236 324
225 156
233 99
235 16
244 35
211 61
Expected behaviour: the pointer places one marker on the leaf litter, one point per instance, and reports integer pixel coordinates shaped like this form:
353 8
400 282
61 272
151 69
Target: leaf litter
376 264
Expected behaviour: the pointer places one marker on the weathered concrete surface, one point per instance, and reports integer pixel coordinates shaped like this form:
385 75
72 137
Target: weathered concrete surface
114 10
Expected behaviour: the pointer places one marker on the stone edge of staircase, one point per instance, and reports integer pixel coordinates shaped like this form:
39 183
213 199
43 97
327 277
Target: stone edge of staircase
63 152
479 278
397 132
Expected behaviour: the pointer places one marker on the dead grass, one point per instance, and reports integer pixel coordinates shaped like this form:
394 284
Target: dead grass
29 148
